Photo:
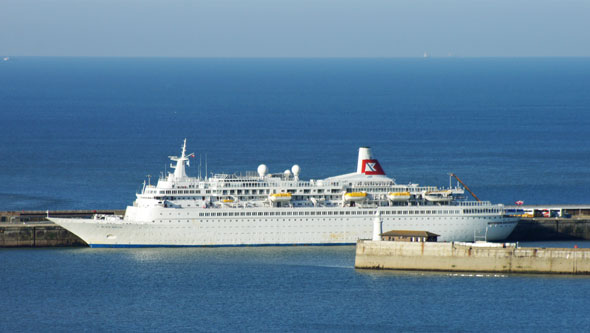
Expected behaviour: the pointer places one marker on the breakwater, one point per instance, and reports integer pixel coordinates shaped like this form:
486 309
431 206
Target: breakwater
470 257
32 229
37 235
547 229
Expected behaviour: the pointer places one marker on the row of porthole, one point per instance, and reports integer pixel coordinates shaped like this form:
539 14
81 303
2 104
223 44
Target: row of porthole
330 213
322 219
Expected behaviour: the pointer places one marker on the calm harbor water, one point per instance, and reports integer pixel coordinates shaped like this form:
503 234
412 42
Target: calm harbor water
83 133
270 289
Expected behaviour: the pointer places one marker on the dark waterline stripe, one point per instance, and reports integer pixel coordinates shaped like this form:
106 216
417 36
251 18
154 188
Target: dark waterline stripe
228 245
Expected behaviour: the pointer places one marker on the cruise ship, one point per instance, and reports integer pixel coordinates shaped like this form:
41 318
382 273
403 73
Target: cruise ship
265 209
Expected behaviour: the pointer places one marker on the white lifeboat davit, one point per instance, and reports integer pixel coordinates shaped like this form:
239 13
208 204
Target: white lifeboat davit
398 196
439 196
355 196
280 197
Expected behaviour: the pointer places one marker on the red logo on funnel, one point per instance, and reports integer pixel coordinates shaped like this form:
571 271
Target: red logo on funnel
372 167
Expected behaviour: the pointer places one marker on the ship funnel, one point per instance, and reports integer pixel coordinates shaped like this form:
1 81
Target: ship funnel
366 164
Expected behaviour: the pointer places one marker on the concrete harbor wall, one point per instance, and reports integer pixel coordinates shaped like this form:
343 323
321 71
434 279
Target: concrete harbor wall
37 235
26 216
32 229
545 229
467 257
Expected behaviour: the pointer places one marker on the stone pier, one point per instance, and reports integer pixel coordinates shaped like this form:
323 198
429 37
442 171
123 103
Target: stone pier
470 257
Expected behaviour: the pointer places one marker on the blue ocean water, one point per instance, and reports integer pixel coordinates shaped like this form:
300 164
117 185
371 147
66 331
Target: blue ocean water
83 133
270 289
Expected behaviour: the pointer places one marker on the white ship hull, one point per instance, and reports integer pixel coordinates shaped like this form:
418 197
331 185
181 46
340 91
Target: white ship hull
183 230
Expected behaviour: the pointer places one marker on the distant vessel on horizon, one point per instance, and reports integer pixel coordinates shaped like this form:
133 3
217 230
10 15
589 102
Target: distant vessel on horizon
261 209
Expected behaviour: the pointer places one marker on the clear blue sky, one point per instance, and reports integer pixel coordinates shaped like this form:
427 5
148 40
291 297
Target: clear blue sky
294 28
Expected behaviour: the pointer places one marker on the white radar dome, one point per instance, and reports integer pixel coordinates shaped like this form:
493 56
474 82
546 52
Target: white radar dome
262 170
287 173
296 169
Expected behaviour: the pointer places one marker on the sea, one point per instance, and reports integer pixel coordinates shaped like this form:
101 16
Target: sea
85 133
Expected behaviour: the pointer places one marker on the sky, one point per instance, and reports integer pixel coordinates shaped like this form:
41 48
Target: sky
295 28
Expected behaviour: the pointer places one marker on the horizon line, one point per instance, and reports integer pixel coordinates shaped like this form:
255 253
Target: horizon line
8 57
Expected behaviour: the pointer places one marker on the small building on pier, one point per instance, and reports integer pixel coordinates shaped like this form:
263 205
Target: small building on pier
409 236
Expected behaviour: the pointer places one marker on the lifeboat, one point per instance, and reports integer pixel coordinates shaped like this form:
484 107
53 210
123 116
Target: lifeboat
398 196
280 197
227 200
355 196
439 196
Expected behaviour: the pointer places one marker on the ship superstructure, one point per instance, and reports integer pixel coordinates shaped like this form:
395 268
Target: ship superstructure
262 208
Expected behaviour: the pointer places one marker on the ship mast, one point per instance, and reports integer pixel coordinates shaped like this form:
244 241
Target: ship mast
179 168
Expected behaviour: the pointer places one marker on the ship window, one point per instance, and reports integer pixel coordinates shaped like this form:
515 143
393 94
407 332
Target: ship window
248 214
259 213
